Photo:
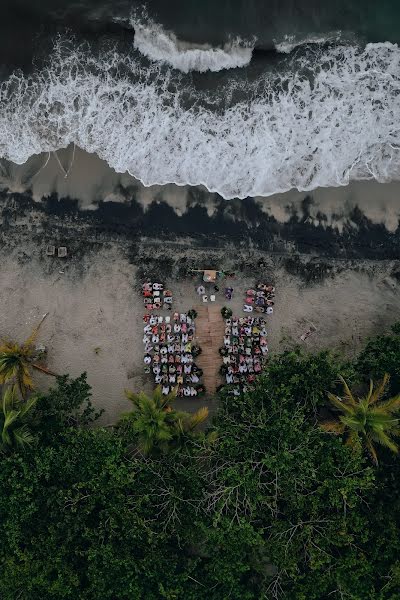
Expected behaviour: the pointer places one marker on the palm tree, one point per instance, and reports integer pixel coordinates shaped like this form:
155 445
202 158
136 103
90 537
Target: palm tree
13 420
17 360
157 426
368 420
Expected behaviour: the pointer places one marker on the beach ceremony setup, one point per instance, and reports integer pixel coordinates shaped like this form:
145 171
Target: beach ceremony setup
199 300
176 344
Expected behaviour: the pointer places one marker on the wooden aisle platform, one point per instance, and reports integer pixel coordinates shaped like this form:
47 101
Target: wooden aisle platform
210 329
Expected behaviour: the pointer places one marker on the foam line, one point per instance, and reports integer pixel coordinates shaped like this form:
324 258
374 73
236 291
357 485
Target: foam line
297 131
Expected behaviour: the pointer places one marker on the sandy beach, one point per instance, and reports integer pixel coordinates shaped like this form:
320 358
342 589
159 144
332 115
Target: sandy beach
119 233
91 180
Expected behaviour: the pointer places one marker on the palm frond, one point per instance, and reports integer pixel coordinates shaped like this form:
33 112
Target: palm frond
338 403
196 418
371 450
23 437
377 394
169 398
164 435
132 397
391 405
212 437
354 422
383 439
155 424
158 397
9 419
348 395
8 367
14 366
33 336
28 405
367 420
10 398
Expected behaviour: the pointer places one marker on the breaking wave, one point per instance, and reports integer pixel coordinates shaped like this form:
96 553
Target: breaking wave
302 130
163 46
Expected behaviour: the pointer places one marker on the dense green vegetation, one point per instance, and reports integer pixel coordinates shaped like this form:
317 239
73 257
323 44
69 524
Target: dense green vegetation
268 506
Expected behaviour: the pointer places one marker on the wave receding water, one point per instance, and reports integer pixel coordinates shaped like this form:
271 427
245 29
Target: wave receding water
292 131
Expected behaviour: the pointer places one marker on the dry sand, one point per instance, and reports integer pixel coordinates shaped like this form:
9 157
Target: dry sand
95 314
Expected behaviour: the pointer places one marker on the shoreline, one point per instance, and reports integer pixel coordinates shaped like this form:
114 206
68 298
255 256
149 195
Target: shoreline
352 217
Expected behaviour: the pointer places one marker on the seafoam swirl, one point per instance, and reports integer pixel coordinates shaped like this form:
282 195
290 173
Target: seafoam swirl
337 124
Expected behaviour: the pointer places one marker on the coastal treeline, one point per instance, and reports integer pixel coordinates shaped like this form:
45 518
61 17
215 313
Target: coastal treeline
292 492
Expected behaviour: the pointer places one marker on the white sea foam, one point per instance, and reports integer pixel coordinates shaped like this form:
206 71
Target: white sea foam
290 42
297 133
157 44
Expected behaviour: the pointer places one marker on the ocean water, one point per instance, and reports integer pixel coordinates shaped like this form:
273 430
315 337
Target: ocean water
247 98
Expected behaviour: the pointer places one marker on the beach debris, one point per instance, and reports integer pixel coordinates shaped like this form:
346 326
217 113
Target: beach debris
65 171
169 353
62 252
50 250
41 349
307 333
43 166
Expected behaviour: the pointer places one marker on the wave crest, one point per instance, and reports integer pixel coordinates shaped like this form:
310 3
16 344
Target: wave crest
300 132
160 45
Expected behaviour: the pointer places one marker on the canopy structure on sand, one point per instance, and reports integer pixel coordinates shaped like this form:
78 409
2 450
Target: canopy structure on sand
209 275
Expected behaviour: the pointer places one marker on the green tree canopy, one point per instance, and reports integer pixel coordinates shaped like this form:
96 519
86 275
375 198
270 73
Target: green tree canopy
274 509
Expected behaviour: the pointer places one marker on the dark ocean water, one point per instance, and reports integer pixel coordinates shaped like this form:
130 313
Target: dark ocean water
206 21
247 97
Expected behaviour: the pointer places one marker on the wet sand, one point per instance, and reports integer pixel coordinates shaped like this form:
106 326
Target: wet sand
90 180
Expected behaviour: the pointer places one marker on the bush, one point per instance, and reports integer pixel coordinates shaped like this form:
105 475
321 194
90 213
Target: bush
382 355
66 405
306 378
226 312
